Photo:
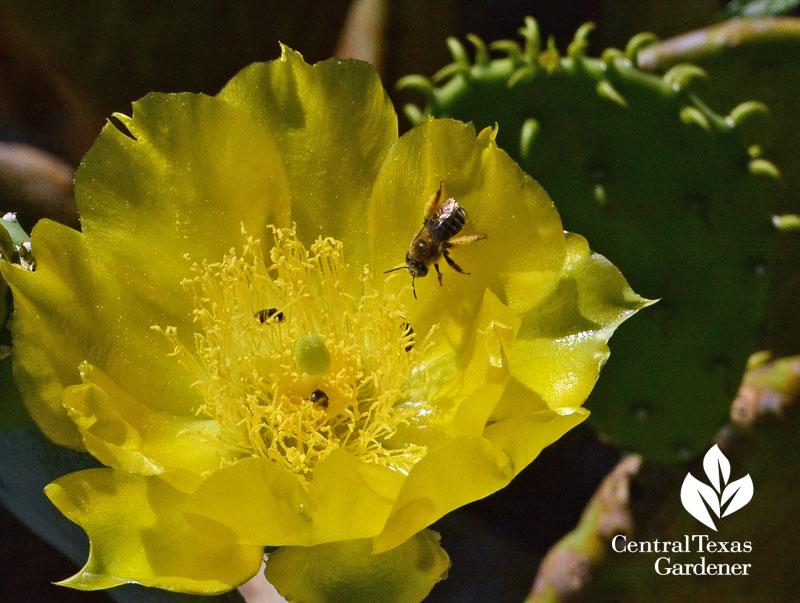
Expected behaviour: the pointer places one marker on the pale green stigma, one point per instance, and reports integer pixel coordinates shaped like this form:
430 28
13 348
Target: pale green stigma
312 356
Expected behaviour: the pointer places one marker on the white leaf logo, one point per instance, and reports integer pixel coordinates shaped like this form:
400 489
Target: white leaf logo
723 498
739 493
714 464
693 493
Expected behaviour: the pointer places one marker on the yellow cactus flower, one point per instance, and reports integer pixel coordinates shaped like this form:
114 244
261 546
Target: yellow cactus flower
222 337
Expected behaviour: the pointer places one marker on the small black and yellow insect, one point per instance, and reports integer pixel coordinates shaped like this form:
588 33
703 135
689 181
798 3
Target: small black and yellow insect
408 333
319 397
271 314
435 238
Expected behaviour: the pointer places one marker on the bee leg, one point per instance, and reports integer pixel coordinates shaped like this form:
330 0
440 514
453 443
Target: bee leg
439 274
433 202
461 241
452 264
413 287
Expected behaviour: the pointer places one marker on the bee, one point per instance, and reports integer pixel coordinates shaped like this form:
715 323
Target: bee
272 314
408 335
442 222
319 397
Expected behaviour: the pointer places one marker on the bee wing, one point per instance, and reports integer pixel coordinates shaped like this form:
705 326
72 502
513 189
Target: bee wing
439 234
447 222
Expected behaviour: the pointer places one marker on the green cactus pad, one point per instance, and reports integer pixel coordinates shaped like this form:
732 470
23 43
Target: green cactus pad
661 185
756 59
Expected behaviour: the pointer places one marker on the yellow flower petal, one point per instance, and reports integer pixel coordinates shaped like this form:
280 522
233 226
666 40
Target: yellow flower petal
333 124
262 503
524 251
137 534
562 344
125 434
461 387
486 372
468 468
73 308
348 572
196 170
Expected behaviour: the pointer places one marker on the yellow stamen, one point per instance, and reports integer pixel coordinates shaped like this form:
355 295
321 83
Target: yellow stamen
295 357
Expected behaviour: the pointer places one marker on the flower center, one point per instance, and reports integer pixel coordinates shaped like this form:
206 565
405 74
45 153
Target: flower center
296 357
